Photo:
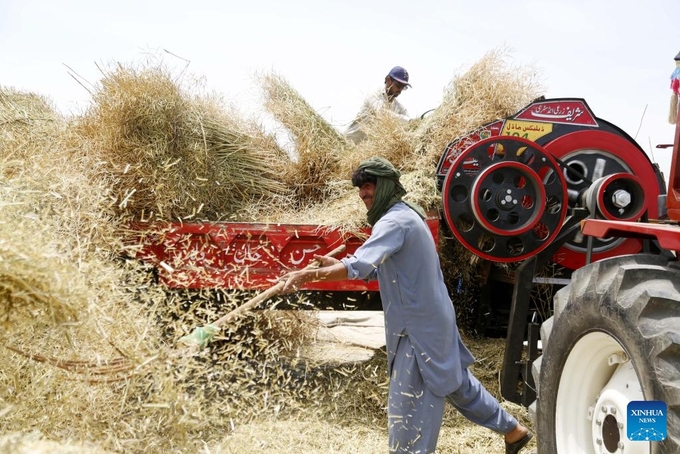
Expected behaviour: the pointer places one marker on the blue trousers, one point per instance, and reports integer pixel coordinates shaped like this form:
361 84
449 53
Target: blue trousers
415 413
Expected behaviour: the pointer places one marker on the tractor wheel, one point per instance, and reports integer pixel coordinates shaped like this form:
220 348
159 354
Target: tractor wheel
614 338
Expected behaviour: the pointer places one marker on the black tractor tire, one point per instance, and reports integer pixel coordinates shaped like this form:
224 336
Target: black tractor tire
630 300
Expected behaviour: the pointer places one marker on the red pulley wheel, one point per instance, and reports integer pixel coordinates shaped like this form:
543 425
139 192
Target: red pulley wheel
505 198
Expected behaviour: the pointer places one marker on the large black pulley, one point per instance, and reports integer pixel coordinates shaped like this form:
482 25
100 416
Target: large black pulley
505 198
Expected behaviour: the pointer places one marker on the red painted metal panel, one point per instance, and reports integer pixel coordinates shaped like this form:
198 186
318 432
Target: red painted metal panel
571 112
668 235
454 149
245 255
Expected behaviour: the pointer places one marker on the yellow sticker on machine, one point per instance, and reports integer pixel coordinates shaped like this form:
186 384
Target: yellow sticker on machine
530 130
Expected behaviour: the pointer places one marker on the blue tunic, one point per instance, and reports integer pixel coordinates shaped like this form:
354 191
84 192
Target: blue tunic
402 255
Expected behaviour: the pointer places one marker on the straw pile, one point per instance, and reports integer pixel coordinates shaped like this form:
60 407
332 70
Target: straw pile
91 336
390 137
84 329
175 154
25 118
323 160
318 145
54 211
489 90
64 298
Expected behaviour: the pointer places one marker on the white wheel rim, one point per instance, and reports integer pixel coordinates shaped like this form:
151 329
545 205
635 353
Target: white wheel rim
597 382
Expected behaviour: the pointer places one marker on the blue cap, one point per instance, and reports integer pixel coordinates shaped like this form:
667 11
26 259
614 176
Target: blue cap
400 75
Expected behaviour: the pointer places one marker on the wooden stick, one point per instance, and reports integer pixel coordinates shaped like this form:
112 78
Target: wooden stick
275 290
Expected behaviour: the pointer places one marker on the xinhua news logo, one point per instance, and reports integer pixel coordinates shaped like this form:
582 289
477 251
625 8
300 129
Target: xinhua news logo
646 420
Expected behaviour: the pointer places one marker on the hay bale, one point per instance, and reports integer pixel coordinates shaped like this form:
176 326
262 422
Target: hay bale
246 165
489 90
25 116
388 136
317 144
173 154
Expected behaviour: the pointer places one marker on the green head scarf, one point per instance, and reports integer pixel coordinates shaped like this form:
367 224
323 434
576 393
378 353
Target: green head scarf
388 189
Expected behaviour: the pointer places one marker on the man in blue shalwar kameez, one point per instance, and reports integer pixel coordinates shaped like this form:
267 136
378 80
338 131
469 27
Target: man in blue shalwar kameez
427 360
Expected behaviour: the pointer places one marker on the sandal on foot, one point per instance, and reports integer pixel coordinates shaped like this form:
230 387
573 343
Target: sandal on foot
516 447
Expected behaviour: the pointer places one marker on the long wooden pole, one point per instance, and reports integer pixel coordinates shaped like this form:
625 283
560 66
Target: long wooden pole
201 336
272 291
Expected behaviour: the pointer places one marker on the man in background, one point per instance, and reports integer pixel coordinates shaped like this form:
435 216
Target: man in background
396 81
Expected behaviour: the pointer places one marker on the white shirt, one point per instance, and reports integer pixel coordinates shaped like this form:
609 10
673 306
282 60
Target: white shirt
372 104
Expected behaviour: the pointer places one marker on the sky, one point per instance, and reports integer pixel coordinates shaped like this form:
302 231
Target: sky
616 54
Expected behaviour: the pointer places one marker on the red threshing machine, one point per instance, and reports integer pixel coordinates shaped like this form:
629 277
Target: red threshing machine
551 185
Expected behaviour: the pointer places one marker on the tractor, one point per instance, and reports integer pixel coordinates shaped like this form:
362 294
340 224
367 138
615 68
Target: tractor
554 184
